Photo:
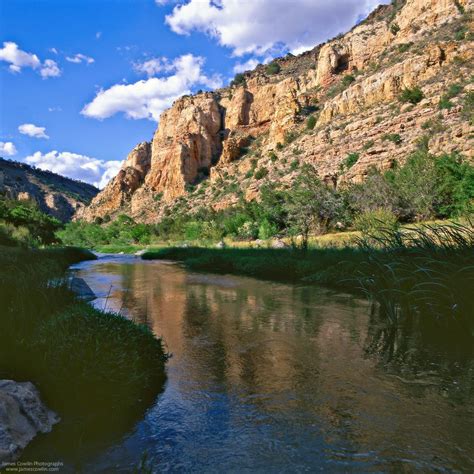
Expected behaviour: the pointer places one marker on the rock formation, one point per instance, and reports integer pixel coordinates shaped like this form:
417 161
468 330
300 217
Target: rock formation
212 142
55 195
22 417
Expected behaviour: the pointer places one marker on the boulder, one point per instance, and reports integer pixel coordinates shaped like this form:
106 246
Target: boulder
22 417
279 244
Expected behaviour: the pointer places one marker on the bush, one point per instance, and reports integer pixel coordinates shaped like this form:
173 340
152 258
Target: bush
374 222
311 122
267 230
261 173
351 160
392 137
413 96
394 28
348 80
445 103
273 68
239 79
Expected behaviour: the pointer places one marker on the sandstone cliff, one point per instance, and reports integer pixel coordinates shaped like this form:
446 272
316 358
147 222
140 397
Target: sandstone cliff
208 146
55 195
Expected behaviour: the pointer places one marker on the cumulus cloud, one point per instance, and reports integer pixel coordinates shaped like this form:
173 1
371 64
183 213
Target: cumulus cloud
76 166
148 98
80 58
153 66
260 26
32 130
7 149
17 58
252 63
50 68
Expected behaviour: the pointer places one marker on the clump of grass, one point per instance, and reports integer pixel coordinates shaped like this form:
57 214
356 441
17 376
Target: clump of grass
412 96
426 273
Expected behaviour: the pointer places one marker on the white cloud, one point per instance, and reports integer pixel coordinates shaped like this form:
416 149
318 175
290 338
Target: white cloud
247 65
259 26
147 99
17 58
98 34
76 166
32 130
53 50
50 69
55 109
80 58
153 66
7 148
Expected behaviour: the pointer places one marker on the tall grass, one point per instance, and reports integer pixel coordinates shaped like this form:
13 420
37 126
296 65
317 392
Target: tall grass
425 273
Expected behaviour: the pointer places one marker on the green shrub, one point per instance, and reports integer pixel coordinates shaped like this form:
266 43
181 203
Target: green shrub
267 230
445 103
351 160
376 221
272 68
347 80
392 137
294 164
290 137
239 79
394 28
413 96
273 157
403 48
311 122
261 173
460 34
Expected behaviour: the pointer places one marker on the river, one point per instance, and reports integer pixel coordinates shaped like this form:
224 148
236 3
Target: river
270 377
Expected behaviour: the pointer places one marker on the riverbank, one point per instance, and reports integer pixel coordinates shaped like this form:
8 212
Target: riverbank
425 272
97 370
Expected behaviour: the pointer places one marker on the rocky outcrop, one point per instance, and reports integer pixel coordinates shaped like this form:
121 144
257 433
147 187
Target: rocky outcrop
22 417
351 85
55 195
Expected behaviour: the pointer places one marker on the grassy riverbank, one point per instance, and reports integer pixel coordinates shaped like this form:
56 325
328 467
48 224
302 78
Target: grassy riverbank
425 272
95 369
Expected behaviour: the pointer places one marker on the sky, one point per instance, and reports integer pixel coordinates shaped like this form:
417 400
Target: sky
83 81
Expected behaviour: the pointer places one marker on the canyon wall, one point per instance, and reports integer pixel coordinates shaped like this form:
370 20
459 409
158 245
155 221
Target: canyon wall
207 146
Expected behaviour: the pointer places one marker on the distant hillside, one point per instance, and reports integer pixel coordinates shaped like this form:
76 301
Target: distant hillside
55 195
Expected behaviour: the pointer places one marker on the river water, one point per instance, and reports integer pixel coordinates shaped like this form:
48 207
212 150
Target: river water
269 377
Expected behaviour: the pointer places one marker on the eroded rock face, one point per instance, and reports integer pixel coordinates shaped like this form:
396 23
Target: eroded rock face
208 134
22 417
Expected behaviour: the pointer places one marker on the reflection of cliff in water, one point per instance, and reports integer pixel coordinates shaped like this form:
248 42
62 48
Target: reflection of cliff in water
302 366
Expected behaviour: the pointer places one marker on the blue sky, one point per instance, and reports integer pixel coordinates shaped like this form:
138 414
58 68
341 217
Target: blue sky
83 81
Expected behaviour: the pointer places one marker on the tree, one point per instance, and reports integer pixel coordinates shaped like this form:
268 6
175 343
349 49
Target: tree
310 205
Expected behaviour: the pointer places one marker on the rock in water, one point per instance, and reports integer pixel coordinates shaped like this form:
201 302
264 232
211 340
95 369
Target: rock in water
22 417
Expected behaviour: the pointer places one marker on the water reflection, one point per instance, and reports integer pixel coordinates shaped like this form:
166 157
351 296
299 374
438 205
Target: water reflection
279 378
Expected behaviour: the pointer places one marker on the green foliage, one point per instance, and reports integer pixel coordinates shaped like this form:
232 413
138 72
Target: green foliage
459 7
392 137
261 173
445 103
239 79
311 122
403 48
21 222
272 68
350 161
376 221
273 157
413 96
394 28
294 165
290 137
347 80
267 229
